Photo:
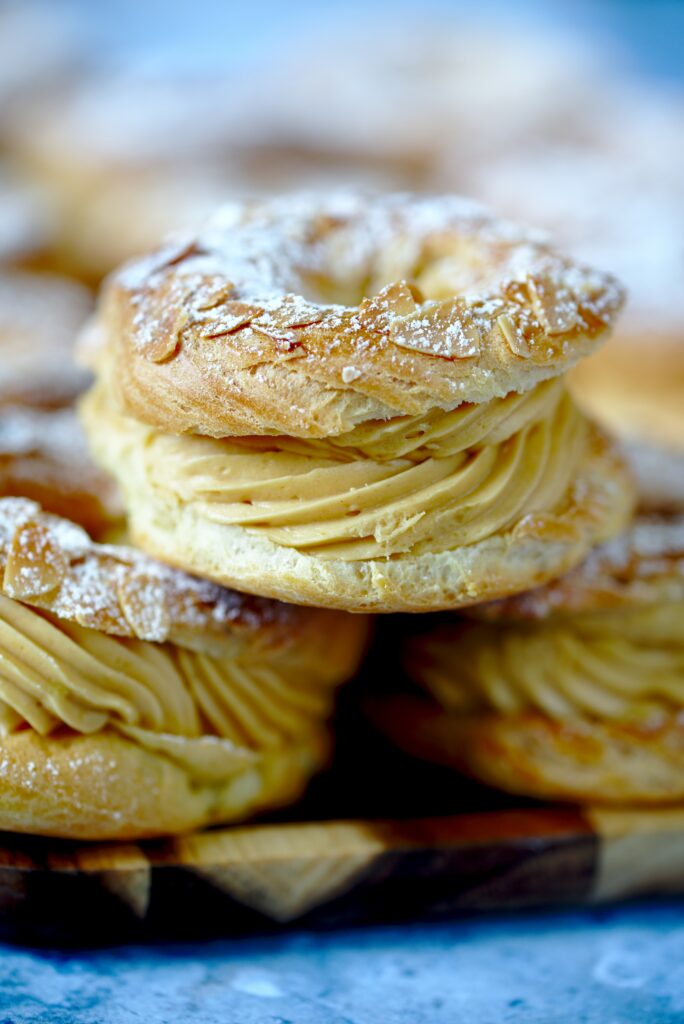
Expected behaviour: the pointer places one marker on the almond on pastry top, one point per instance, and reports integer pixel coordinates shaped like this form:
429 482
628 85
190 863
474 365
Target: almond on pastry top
306 315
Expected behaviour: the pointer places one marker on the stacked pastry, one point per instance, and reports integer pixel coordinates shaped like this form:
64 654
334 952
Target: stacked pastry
351 403
136 700
357 403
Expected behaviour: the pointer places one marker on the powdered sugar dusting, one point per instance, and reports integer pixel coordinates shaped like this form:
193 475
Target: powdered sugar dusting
116 589
271 266
641 565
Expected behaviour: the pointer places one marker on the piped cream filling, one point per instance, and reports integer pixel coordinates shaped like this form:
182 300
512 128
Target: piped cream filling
406 485
621 664
211 715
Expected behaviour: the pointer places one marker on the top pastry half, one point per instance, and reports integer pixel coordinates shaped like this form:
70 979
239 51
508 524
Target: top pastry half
357 402
310 316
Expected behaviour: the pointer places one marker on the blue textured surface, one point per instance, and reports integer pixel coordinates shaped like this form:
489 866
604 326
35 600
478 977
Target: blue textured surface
621 965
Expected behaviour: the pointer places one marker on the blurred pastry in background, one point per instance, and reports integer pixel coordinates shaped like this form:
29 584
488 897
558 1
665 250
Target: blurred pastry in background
636 388
658 471
43 453
27 222
574 691
124 158
138 701
40 316
127 158
44 456
357 402
620 204
396 95
637 391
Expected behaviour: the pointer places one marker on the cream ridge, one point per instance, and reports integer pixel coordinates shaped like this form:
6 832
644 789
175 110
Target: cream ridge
405 485
622 664
210 716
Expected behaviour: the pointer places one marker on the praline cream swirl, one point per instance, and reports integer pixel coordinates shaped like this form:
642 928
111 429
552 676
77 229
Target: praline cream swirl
213 716
386 488
618 664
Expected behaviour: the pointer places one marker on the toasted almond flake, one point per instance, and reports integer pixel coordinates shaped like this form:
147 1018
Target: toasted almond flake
464 337
396 300
233 316
295 311
166 342
143 603
555 306
515 339
212 296
446 329
35 564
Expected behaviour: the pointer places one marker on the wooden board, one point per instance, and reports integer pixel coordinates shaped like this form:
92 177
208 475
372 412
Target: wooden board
470 850
255 877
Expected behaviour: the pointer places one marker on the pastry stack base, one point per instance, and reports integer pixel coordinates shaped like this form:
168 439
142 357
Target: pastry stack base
530 755
105 787
137 701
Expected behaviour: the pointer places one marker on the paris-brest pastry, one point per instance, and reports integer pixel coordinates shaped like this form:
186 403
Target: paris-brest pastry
357 402
136 700
572 691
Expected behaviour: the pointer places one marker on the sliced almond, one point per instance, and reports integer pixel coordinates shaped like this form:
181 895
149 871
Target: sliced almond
393 301
232 317
35 564
297 312
555 305
144 607
447 329
515 339
213 293
165 342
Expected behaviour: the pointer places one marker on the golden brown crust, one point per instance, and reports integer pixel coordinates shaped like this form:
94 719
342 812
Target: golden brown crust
51 563
643 565
104 786
581 760
218 335
44 457
40 315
